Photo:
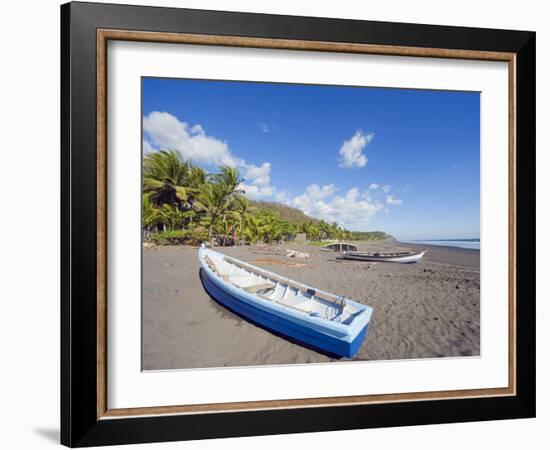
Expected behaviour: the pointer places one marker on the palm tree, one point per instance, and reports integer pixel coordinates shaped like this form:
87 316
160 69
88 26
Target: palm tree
164 176
226 228
230 179
150 215
268 227
313 232
196 178
212 200
173 216
272 230
289 230
240 207
251 230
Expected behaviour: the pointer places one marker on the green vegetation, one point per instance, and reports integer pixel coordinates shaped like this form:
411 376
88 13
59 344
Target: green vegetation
174 237
183 204
286 213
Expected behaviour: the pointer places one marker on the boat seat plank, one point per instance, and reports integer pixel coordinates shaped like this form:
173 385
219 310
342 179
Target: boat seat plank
259 288
339 301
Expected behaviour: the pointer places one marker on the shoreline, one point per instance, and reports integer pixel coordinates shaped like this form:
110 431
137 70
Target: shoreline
447 254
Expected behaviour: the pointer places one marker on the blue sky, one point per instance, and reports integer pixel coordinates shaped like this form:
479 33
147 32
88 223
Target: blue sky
401 161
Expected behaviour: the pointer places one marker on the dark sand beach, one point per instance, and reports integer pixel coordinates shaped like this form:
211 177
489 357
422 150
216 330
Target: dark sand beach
425 310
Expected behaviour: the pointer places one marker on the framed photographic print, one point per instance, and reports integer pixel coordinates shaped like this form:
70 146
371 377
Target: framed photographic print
276 224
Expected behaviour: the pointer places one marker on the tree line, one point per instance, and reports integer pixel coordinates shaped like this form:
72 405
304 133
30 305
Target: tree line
183 203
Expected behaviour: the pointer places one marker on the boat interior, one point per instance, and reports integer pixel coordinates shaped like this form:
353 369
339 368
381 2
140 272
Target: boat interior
281 290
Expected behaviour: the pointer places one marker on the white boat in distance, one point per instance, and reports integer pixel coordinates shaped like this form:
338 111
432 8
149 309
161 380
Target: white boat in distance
395 257
339 247
317 319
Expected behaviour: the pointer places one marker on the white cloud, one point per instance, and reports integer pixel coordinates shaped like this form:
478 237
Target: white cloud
197 129
259 175
391 200
147 148
282 197
351 151
254 192
386 188
367 195
350 210
318 193
165 131
374 186
405 188
264 127
313 194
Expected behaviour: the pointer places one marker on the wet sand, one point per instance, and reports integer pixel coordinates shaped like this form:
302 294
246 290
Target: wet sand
425 310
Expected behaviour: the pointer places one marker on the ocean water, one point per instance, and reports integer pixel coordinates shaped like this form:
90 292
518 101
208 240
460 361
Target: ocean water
464 243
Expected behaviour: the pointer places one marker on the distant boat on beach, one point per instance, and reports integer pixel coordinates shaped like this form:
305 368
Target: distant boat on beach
339 247
317 319
395 257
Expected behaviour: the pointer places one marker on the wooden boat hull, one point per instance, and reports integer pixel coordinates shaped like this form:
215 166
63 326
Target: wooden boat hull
309 332
402 259
339 247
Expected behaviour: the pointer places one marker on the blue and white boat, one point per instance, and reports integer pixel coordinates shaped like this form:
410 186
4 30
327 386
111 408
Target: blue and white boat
328 323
